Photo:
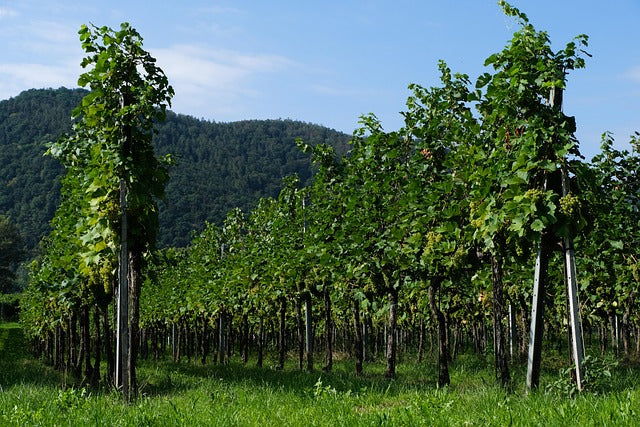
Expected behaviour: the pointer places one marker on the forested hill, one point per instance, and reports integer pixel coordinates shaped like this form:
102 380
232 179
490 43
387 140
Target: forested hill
225 165
219 165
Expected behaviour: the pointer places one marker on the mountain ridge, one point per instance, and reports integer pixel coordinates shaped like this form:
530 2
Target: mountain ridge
219 165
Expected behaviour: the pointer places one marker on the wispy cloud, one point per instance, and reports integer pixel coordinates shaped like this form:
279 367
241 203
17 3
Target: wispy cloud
15 78
53 31
50 39
41 53
220 79
219 10
633 74
5 12
323 89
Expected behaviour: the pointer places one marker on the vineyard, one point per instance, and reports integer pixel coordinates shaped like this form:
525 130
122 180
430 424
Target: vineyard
418 246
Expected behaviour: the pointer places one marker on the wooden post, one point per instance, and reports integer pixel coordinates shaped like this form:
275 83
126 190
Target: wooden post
221 336
537 315
221 340
512 329
122 345
577 346
308 318
539 283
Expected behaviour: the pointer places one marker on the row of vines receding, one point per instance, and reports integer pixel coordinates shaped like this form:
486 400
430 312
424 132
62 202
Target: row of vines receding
419 243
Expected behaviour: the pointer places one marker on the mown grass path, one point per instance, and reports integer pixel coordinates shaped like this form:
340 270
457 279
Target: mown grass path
235 395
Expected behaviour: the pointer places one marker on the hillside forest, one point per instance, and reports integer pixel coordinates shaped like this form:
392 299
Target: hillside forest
217 166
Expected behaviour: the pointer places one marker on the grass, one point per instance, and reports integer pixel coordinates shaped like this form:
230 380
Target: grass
233 395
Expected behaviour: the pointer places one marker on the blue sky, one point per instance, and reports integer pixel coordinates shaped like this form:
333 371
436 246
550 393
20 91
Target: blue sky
329 62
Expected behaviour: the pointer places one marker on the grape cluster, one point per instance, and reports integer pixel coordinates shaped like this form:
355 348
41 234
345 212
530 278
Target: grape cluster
106 276
534 194
569 205
477 223
519 249
473 208
112 211
459 257
433 239
102 277
635 270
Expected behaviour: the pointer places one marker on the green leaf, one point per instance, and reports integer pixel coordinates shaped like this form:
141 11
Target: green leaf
484 79
537 225
616 244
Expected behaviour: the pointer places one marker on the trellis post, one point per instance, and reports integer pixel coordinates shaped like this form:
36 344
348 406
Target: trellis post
122 336
577 346
539 285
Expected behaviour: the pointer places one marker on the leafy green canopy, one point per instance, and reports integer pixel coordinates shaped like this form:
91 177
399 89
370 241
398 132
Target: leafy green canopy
110 149
112 139
11 253
525 137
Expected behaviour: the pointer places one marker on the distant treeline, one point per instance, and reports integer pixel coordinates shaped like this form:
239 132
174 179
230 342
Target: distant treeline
219 166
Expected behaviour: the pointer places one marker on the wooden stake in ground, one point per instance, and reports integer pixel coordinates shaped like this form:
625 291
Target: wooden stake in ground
122 337
539 284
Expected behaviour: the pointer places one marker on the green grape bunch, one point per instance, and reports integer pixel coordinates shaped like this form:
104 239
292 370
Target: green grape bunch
534 194
569 205
433 239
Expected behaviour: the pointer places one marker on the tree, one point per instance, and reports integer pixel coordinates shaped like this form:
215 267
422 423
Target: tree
524 142
436 208
11 253
612 201
112 154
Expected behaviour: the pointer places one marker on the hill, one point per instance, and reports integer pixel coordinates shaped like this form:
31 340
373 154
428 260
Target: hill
219 165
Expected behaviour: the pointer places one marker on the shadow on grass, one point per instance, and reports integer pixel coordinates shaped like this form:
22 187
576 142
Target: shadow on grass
164 377
469 372
19 367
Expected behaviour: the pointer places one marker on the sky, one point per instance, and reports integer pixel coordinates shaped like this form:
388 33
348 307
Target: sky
332 61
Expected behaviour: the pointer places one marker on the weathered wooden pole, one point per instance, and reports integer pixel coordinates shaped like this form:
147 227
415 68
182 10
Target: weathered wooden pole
512 329
308 336
537 314
539 284
308 307
577 346
122 336
221 332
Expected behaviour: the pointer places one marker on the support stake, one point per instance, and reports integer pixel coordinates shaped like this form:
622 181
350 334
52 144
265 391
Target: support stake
122 345
577 346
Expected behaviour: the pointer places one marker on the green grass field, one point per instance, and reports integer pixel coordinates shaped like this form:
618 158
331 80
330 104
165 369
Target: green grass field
193 395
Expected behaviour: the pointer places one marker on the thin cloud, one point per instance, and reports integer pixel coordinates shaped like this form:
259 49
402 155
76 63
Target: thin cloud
219 10
50 38
221 80
44 54
15 78
633 74
5 12
327 90
55 32
343 91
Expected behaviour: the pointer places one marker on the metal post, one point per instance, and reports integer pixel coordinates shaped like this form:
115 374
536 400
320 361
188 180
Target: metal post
308 312
364 337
